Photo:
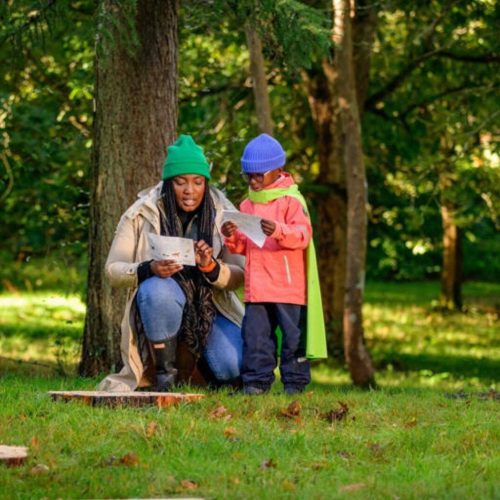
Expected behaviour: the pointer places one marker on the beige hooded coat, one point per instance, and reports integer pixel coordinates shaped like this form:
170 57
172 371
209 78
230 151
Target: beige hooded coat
130 248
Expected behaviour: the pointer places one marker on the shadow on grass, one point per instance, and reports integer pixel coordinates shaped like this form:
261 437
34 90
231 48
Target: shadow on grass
459 366
40 332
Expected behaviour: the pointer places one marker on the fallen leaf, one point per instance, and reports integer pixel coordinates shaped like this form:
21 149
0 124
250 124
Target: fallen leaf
35 442
221 412
292 411
337 415
267 464
186 484
229 432
129 459
235 480
352 487
151 429
39 469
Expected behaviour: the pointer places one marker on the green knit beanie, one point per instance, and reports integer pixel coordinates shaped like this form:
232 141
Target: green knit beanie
184 156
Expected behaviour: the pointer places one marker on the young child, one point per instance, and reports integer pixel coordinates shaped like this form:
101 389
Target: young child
276 291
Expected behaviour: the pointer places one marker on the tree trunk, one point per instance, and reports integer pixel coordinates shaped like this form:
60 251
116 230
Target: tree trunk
451 275
331 202
357 356
135 119
259 81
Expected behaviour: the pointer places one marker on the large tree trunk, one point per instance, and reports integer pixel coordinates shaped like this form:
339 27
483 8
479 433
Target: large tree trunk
331 201
135 120
259 81
357 356
451 275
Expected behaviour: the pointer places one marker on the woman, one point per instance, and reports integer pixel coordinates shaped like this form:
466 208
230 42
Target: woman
181 324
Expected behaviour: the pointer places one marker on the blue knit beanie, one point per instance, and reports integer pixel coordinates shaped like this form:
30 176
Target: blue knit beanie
262 154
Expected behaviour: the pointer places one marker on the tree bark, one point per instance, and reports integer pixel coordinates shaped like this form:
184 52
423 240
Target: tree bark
331 201
357 356
323 95
259 81
135 119
451 274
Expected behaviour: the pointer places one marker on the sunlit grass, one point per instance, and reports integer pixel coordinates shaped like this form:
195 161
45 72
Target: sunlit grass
431 430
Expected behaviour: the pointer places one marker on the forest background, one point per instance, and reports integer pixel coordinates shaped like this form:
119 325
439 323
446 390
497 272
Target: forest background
92 92
428 95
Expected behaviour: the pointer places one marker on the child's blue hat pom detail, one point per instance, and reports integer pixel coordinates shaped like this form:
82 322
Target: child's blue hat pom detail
262 154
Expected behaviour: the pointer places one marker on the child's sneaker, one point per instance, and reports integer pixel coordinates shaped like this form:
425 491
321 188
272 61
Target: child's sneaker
252 390
290 390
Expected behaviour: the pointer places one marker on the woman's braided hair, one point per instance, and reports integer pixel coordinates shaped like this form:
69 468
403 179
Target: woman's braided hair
199 311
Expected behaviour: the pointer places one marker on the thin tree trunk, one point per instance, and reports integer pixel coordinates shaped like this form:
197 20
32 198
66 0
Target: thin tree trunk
451 275
357 356
331 201
259 80
135 120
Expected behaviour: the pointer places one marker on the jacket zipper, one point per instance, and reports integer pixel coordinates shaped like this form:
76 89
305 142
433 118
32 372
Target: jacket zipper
287 269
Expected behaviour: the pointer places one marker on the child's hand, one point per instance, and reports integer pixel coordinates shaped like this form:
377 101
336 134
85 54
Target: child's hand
268 226
228 228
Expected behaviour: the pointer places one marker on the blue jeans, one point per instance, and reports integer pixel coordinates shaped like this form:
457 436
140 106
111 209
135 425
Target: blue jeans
161 306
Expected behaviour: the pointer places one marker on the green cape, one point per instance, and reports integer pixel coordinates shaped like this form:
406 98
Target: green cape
316 336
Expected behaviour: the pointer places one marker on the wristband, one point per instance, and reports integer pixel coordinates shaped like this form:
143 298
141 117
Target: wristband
209 267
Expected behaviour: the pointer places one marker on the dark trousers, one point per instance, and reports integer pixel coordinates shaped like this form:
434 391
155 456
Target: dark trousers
260 345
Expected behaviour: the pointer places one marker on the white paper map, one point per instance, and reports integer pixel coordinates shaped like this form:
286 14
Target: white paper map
180 250
247 224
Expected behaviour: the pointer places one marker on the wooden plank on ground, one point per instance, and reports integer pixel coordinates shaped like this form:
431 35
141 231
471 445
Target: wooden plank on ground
13 455
136 399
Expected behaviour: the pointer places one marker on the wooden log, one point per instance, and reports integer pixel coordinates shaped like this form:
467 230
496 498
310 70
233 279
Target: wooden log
13 455
119 399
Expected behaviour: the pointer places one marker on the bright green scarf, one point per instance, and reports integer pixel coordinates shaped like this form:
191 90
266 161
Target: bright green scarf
316 336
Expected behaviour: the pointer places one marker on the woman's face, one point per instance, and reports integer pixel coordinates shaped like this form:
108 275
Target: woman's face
189 191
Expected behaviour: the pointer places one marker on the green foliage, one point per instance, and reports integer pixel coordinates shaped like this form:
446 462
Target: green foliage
45 124
428 136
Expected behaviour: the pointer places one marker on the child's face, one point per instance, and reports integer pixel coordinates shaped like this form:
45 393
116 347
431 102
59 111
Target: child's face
257 182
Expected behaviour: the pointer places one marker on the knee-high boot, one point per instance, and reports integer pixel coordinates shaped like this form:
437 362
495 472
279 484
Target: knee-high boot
166 372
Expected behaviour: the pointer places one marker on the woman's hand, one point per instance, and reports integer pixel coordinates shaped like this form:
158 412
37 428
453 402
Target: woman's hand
228 228
165 268
268 226
203 253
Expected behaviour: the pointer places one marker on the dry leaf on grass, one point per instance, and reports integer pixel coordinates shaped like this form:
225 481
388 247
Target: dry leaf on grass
39 469
221 412
129 459
352 487
292 411
268 464
151 429
337 415
230 432
186 484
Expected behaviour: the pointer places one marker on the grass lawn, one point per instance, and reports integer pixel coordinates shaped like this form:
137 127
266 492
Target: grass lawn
430 431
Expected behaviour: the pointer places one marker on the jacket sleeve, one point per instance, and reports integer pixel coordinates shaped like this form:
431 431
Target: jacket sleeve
232 271
296 231
120 267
